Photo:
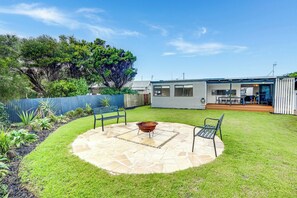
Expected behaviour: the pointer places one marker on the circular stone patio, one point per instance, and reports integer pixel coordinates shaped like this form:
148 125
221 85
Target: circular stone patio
120 149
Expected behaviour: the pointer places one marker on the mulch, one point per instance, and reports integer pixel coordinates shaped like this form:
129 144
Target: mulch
12 180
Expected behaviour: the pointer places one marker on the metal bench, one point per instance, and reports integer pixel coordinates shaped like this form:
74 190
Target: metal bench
100 113
209 131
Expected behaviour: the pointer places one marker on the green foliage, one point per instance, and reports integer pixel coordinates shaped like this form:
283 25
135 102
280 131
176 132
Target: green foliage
114 91
293 74
41 124
13 84
4 191
88 109
27 117
4 142
70 87
45 108
4 168
105 102
70 114
115 66
3 116
47 63
21 137
58 119
79 112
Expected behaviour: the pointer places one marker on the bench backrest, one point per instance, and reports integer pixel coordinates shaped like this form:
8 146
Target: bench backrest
220 122
102 110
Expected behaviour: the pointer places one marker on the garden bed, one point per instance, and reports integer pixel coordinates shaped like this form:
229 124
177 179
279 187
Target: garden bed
12 180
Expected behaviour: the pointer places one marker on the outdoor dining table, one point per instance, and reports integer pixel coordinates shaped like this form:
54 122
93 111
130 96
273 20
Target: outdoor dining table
226 99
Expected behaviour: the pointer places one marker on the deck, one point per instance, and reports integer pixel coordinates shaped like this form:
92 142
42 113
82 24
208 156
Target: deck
240 107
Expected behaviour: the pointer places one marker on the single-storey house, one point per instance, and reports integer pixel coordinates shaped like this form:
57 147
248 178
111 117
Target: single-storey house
273 94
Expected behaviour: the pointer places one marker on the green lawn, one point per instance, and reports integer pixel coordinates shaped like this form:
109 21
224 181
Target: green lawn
260 160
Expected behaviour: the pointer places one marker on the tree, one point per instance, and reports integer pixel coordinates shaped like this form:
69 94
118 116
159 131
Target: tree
115 66
69 87
45 60
293 74
13 85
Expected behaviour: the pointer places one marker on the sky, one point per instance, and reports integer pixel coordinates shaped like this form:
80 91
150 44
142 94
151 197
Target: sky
197 38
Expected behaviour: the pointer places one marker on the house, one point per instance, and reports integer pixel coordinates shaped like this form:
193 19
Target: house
142 87
272 94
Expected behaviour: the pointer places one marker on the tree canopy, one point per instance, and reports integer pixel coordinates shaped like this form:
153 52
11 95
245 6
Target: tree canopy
115 66
13 84
44 60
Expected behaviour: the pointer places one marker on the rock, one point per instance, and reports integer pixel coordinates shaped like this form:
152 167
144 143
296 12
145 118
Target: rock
11 154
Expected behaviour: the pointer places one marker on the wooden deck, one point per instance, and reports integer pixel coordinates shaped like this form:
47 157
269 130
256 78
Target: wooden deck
239 107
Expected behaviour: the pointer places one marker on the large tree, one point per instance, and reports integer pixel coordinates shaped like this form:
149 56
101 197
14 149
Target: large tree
114 66
45 59
13 85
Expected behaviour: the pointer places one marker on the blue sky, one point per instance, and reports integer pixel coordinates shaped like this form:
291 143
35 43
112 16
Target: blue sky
203 39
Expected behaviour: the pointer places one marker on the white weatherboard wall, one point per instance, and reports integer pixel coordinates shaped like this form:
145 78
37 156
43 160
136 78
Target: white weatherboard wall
296 102
284 96
212 98
199 91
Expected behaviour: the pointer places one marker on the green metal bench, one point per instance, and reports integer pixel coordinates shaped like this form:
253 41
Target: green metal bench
100 113
208 131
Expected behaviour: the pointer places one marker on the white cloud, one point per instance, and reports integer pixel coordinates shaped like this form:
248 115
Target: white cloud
168 53
50 16
192 49
53 16
101 31
201 31
163 31
89 10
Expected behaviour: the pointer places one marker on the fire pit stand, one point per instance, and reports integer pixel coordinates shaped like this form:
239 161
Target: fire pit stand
147 127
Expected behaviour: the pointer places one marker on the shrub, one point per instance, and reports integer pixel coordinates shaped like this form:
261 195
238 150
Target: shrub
4 190
70 87
21 137
26 117
79 112
41 124
88 109
3 115
45 109
58 119
113 91
62 119
4 142
70 114
105 102
3 167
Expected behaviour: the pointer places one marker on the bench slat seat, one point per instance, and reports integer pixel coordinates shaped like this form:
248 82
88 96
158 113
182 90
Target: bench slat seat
103 113
208 131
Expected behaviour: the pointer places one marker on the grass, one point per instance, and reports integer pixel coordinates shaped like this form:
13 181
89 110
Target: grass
260 160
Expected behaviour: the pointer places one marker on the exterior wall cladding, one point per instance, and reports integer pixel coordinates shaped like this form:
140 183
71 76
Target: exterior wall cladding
186 102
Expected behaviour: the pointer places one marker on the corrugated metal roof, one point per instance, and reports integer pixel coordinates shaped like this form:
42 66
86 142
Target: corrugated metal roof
222 80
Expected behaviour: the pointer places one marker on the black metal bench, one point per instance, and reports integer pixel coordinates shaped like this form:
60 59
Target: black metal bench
209 131
100 113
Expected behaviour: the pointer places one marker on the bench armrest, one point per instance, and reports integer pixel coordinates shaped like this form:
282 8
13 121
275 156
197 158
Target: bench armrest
214 119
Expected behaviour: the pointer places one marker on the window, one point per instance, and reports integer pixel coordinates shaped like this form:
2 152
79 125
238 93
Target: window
183 90
161 90
223 92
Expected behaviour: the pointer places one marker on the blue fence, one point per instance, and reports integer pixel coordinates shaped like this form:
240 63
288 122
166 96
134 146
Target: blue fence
61 105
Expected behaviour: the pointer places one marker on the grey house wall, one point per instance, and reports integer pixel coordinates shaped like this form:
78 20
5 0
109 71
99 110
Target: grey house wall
194 102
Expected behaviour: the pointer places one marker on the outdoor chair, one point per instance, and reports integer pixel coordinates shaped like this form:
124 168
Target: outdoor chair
208 130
